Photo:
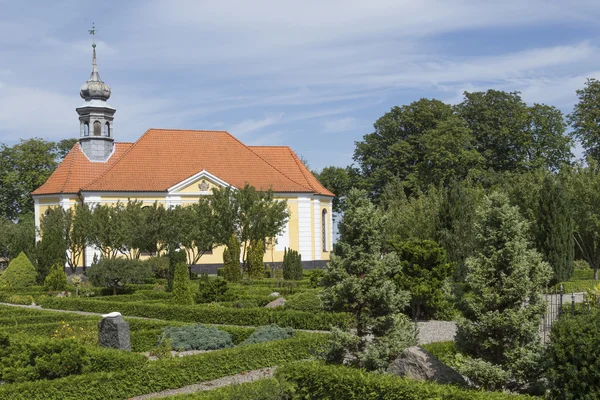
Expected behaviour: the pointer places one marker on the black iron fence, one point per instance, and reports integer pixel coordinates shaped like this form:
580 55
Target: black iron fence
562 304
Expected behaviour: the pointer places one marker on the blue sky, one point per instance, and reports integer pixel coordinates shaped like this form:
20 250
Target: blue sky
313 75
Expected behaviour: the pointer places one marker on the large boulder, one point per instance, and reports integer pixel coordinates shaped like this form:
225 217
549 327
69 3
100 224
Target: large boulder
113 332
276 303
416 363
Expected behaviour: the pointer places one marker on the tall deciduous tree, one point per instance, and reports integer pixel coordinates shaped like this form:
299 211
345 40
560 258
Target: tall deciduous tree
357 281
504 303
339 181
52 248
585 118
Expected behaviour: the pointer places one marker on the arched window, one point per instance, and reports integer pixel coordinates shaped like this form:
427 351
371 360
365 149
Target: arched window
107 129
86 129
47 212
97 128
324 229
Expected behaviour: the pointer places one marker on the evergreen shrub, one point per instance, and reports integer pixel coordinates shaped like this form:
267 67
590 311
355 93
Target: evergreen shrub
56 279
115 273
256 254
231 260
20 273
197 337
292 265
159 266
176 257
308 300
211 290
269 333
182 293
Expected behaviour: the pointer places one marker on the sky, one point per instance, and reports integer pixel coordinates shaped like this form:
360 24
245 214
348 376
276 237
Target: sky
312 75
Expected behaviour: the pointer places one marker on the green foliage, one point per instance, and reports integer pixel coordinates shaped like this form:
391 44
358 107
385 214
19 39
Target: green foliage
168 373
182 293
204 313
159 266
197 337
338 181
424 270
175 257
483 374
40 359
292 265
554 229
17 238
574 356
53 247
316 277
213 290
20 273
444 351
585 118
268 333
232 271
56 279
310 380
504 302
357 282
262 389
115 273
308 300
256 253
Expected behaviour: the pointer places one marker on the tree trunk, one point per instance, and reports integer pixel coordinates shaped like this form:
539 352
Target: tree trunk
596 273
114 290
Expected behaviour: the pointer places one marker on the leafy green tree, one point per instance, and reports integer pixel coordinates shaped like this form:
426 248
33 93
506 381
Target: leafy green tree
585 118
231 260
106 230
20 273
339 181
182 293
77 229
256 253
512 136
424 271
554 229
52 249
292 265
56 279
357 281
115 273
504 303
18 237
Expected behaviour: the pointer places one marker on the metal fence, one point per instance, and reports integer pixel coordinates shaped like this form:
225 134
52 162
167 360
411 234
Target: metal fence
561 304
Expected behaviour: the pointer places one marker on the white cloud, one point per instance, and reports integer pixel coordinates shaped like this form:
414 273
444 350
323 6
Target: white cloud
341 125
251 125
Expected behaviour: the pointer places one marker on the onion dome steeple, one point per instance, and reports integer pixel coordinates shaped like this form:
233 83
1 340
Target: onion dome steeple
95 88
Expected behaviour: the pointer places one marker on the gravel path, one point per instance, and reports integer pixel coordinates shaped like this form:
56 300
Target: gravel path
214 384
436 331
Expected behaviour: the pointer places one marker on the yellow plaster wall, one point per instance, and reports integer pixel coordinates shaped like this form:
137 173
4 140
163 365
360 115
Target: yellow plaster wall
326 205
193 187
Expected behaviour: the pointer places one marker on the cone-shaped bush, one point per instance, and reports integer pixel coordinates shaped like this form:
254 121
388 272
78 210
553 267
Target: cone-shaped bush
19 274
256 266
292 265
231 260
56 279
182 293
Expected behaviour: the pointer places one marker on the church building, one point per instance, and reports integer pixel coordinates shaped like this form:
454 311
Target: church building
175 167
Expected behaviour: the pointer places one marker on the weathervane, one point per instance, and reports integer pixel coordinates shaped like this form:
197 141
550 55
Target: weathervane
93 33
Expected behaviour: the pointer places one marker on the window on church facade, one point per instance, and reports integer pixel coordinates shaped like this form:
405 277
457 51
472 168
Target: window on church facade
324 229
86 129
107 129
97 128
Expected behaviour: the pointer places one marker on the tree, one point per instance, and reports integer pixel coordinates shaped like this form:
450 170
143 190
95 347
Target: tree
106 230
583 183
182 293
231 260
115 273
18 237
337 180
78 234
512 136
256 266
357 281
585 118
504 303
56 279
554 229
52 249
292 265
424 271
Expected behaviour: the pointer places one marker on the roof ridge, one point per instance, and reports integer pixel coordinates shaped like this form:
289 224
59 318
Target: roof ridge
70 166
303 168
116 161
300 164
186 130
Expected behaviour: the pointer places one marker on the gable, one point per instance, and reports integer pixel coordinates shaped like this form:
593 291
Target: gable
201 183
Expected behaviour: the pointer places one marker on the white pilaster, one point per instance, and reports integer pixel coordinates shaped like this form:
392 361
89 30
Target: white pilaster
283 239
330 226
36 206
317 237
304 231
91 251
173 201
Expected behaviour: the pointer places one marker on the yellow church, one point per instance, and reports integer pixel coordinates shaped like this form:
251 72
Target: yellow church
175 167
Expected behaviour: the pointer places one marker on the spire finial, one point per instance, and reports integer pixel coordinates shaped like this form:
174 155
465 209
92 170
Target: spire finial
93 33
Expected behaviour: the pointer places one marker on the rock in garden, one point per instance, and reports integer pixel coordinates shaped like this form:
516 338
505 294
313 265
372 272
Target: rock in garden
113 332
276 303
275 294
421 365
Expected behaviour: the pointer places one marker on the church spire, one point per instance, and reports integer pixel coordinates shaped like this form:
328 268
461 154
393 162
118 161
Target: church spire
95 115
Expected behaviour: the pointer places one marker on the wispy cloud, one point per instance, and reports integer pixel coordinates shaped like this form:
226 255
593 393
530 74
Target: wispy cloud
341 125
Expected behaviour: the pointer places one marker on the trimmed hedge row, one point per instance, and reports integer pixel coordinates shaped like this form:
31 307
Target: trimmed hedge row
46 329
311 380
206 314
167 373
146 340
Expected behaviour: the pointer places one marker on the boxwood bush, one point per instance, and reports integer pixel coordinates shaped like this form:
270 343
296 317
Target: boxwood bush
197 337
19 274
268 333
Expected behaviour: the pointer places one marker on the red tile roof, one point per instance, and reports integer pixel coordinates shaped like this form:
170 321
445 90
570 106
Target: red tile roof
161 158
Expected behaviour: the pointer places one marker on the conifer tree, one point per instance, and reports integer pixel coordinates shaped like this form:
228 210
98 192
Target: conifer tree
256 253
182 293
292 265
357 281
56 279
504 303
554 229
231 260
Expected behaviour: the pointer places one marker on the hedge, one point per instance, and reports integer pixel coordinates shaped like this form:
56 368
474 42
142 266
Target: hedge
312 380
205 314
167 373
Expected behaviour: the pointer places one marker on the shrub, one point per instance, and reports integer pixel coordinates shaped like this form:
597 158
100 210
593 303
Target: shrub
197 337
581 264
574 357
40 359
424 270
175 257
444 351
211 290
115 273
308 300
231 260
268 333
256 254
164 348
159 266
19 274
316 277
56 279
292 265
481 373
182 293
